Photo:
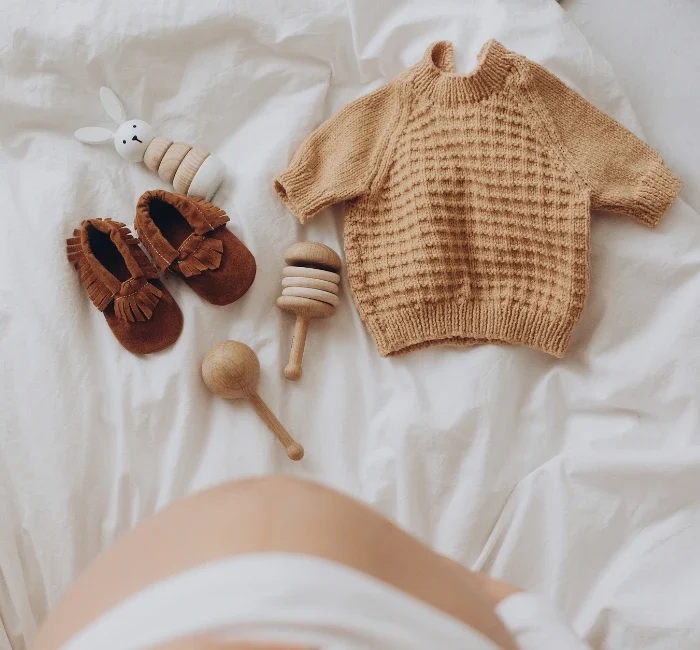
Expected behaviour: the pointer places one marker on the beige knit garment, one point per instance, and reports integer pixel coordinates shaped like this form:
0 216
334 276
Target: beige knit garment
468 200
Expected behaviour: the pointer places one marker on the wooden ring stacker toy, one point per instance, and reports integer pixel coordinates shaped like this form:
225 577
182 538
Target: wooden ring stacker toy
231 369
310 291
191 170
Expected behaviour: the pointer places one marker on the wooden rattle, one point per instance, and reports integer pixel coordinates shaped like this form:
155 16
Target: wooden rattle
310 291
231 369
189 169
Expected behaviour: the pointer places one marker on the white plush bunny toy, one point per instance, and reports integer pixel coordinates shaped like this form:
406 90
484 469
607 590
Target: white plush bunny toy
191 170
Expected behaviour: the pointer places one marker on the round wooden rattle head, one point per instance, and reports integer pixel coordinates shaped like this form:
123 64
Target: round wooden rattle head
309 253
230 369
305 307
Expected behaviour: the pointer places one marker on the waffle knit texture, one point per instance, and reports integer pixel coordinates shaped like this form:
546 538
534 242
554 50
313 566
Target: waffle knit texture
468 200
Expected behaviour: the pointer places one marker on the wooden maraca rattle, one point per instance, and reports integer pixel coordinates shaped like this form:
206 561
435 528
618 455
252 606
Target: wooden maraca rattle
231 369
310 291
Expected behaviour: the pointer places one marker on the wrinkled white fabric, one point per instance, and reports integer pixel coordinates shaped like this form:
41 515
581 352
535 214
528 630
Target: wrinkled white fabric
280 598
536 624
575 478
306 601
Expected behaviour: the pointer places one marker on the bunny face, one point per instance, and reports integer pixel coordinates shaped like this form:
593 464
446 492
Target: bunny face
132 138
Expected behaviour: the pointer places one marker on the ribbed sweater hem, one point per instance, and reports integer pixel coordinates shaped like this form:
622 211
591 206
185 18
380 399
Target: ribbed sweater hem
470 323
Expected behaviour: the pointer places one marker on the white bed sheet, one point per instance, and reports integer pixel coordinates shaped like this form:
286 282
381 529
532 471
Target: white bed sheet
576 478
656 57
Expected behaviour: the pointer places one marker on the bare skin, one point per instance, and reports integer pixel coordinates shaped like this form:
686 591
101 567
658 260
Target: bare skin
273 514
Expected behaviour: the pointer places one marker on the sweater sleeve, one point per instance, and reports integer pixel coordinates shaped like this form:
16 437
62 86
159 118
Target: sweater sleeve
339 160
623 174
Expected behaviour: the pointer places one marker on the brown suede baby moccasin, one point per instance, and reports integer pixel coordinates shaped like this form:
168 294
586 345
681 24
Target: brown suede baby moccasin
189 237
123 284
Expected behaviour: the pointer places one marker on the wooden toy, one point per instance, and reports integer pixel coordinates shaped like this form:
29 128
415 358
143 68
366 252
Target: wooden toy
231 369
191 170
310 291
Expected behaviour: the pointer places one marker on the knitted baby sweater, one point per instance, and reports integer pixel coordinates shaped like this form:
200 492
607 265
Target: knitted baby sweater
468 200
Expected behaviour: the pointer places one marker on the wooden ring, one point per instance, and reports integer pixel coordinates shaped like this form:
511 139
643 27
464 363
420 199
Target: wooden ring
308 272
313 294
188 168
305 308
171 160
155 151
310 283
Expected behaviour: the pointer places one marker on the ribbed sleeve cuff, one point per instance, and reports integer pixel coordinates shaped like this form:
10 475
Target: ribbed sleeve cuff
296 189
655 194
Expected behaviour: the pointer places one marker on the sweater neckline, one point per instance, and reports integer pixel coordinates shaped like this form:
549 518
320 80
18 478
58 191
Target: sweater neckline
435 76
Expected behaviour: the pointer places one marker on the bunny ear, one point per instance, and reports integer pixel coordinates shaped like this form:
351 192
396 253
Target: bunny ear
112 104
93 135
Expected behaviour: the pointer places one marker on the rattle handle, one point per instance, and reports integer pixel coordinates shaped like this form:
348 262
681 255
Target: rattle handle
293 369
294 450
